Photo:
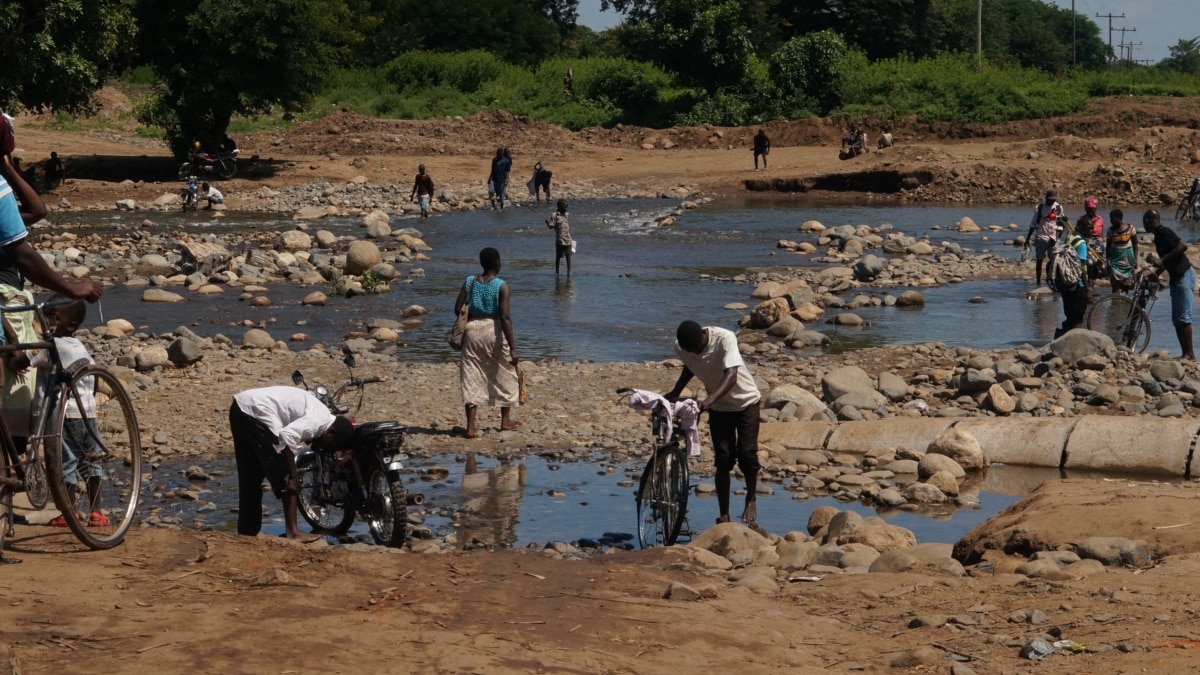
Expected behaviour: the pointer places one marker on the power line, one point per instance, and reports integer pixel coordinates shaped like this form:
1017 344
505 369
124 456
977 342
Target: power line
1110 17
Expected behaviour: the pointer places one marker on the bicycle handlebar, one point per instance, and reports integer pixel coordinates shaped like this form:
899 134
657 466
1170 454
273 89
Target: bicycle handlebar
36 306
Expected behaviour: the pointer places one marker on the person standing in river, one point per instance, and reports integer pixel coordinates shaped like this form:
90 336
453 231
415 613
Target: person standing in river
1122 251
1044 229
563 244
711 354
1172 257
422 190
487 371
1075 299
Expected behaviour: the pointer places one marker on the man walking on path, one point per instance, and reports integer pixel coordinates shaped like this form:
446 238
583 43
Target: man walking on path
733 417
1172 257
1045 225
422 190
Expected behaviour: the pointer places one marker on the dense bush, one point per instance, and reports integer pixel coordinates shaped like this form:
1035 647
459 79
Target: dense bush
464 71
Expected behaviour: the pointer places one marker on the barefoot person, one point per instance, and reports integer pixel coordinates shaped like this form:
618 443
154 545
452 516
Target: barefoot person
487 372
712 355
562 236
422 191
1172 257
762 148
269 425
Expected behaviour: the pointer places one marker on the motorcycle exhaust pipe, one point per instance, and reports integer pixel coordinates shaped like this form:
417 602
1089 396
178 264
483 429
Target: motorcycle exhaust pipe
415 500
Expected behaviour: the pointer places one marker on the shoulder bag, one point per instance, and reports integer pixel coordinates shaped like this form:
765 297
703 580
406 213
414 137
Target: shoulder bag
455 337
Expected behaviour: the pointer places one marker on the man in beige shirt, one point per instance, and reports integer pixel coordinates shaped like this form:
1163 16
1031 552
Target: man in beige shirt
732 403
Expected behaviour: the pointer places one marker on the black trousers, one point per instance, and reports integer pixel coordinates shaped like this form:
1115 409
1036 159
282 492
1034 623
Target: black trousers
254 451
735 438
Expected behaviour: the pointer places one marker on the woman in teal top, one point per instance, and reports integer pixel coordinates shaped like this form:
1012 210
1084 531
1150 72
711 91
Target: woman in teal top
488 368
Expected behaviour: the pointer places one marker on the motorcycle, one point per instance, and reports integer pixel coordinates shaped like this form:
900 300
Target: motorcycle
364 480
190 195
222 165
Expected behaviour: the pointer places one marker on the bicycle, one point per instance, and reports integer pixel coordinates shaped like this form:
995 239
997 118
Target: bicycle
98 509
1126 318
1189 206
662 493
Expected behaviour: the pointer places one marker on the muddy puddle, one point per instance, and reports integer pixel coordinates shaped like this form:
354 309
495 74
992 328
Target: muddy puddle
474 502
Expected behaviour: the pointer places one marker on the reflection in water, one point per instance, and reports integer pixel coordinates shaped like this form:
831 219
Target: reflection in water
492 500
1047 317
564 289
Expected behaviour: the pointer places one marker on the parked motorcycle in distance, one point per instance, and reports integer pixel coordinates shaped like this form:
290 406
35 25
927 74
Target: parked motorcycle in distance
204 165
190 195
366 481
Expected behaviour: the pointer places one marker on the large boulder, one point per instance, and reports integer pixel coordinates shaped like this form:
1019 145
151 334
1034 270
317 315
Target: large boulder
845 380
294 240
868 267
197 257
847 527
910 299
1076 344
160 295
733 541
967 225
790 393
184 352
361 256
151 357
259 338
960 446
766 314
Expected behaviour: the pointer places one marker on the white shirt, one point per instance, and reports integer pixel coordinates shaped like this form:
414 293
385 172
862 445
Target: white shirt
213 193
295 416
709 365
70 350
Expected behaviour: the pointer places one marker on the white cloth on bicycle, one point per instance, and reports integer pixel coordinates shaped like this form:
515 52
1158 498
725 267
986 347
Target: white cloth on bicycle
686 411
69 350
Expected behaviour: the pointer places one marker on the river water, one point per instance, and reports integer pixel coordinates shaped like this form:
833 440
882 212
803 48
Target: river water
632 281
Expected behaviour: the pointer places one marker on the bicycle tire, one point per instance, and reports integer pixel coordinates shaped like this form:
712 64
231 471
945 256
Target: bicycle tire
662 498
1182 211
1122 320
99 509
325 516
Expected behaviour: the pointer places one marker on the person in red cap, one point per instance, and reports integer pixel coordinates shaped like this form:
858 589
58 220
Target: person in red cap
1047 228
1091 227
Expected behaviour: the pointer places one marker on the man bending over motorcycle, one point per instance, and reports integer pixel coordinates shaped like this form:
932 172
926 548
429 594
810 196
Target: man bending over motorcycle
269 425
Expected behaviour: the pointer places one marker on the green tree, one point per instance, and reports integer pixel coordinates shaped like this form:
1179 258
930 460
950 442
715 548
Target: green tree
704 41
219 58
807 69
1185 57
56 53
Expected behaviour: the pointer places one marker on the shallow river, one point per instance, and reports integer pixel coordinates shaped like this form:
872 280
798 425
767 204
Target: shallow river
632 281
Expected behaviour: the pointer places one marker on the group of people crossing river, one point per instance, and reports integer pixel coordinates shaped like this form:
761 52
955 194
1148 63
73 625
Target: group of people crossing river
1113 253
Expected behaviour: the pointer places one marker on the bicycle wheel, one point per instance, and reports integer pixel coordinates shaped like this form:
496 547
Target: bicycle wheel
226 168
323 495
96 470
661 501
1119 318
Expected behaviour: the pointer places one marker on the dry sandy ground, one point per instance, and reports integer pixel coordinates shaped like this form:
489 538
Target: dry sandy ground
174 601
169 601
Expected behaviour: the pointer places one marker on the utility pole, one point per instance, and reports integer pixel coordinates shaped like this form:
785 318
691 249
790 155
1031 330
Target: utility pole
1123 32
1132 45
1073 62
1110 17
979 37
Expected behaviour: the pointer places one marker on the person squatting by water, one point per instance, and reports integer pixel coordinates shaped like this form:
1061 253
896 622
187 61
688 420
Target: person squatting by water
711 354
1172 257
487 371
269 425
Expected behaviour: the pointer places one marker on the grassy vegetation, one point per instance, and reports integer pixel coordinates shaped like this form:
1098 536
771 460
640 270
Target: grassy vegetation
948 88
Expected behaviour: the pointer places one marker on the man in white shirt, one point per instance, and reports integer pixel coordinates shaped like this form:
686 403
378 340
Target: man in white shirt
733 417
269 425
212 194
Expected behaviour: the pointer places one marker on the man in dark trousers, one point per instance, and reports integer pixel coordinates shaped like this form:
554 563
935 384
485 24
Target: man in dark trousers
269 425
762 147
1172 257
711 354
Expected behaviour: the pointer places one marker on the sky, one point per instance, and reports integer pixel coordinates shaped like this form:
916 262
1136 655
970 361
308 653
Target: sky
1159 24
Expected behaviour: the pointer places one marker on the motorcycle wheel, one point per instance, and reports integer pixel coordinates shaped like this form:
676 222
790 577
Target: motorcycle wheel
324 515
185 170
387 507
226 168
